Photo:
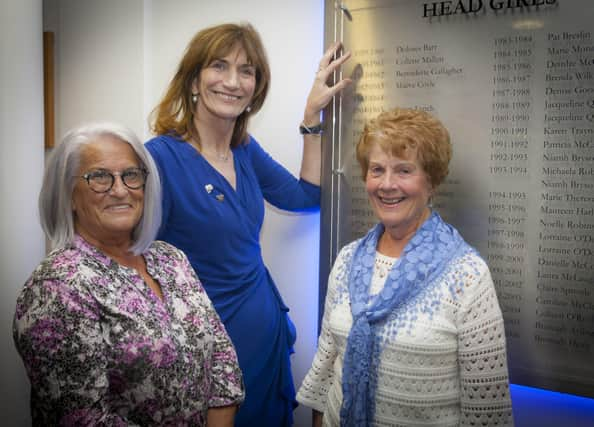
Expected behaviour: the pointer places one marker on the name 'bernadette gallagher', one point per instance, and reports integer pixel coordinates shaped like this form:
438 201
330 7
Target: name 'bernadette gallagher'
462 7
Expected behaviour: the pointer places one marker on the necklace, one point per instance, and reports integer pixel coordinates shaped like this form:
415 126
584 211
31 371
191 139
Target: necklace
223 157
220 157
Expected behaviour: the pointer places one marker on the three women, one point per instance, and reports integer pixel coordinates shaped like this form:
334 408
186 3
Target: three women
411 293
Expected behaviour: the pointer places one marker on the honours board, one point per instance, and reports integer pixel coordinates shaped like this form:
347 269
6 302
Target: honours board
513 81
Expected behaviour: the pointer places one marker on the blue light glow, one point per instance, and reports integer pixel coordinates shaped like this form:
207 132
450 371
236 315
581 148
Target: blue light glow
545 408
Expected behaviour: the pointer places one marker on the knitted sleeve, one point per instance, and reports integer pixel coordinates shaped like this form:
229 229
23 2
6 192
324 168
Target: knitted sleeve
314 389
484 383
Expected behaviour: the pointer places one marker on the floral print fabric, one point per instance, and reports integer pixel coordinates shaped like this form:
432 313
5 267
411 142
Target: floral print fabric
101 348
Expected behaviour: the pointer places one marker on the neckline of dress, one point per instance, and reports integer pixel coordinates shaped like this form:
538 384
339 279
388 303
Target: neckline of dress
214 170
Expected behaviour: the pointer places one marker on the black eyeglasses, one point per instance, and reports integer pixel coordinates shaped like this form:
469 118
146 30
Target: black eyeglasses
101 181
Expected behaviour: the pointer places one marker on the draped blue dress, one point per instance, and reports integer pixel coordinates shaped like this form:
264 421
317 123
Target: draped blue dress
218 228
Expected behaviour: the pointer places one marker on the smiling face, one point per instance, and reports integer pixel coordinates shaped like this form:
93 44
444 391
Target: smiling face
107 218
225 87
398 190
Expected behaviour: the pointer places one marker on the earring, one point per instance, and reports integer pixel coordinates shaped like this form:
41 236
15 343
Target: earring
194 98
248 108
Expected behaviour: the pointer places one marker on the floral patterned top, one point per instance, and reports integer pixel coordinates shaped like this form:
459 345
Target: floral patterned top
101 348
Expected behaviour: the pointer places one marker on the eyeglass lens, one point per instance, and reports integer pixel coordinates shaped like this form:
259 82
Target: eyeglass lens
102 181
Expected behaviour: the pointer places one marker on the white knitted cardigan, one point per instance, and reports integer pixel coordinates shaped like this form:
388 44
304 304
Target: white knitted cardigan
444 368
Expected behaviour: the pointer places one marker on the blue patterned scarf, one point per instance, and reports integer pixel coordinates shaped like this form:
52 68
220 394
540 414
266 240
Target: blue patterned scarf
423 259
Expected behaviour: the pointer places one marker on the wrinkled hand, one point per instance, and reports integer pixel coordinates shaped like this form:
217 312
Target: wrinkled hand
321 93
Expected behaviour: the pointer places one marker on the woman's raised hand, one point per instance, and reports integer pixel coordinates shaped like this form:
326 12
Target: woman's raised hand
321 93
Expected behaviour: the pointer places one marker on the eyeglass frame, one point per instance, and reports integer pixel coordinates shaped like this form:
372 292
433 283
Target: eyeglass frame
87 177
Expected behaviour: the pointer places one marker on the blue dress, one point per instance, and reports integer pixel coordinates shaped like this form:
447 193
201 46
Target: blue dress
218 228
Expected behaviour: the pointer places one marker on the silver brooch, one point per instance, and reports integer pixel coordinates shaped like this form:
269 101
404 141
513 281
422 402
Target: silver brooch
208 188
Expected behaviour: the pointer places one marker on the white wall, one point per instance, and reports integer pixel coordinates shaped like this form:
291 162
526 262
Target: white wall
99 62
21 168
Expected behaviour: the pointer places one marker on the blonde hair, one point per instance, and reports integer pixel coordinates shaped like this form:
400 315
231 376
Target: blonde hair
402 132
174 114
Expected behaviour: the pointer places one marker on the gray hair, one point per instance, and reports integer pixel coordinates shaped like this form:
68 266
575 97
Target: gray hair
55 199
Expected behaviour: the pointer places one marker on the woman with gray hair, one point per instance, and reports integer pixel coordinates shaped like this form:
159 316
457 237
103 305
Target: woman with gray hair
113 327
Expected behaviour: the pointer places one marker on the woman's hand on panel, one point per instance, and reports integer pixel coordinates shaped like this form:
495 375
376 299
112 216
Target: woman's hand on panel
321 92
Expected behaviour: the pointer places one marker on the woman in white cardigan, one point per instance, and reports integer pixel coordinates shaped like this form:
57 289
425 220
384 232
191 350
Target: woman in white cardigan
412 333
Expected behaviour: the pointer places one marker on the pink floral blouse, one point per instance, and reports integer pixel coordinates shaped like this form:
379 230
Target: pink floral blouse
100 348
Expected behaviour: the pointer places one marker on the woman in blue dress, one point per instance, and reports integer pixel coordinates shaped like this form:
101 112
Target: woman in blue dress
215 179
